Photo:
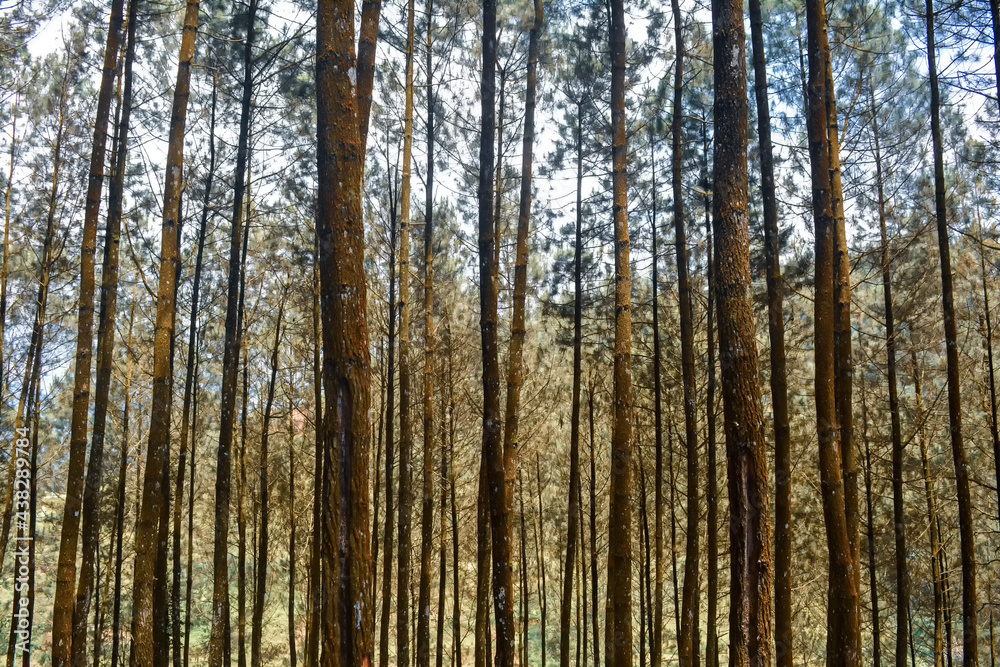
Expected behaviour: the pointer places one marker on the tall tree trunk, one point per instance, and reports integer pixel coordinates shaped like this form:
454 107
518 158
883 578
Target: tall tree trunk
120 508
403 575
843 633
656 651
316 597
618 615
457 600
292 654
483 644
443 530
63 632
346 579
5 274
376 494
242 489
712 643
872 570
220 631
936 573
595 621
105 357
898 507
540 559
572 525
493 451
189 579
22 504
750 546
776 336
188 387
523 572
673 526
159 427
970 653
261 563
390 436
518 330
427 511
686 648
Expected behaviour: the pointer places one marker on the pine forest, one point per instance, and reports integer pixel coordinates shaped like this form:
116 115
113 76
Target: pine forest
400 333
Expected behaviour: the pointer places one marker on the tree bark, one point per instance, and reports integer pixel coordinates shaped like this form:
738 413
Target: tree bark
712 640
494 455
63 630
843 631
390 455
898 507
427 512
572 526
346 572
159 428
105 357
316 597
872 570
261 563
292 654
120 508
750 547
776 336
618 616
220 631
970 652
403 575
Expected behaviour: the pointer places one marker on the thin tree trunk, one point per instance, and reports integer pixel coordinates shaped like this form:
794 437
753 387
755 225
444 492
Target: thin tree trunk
120 509
427 512
572 526
5 274
403 575
483 554
443 529
656 652
618 617
686 648
540 559
843 633
593 526
673 527
189 579
219 653
494 454
25 421
898 507
970 653
159 428
64 631
261 563
712 643
776 336
457 601
105 357
390 436
872 570
316 597
750 530
241 509
292 654
523 571
936 573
